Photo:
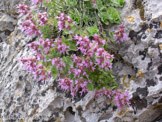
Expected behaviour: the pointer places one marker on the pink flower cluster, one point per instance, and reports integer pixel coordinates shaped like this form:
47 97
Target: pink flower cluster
45 44
33 65
83 43
103 59
35 2
65 83
23 9
37 70
43 18
76 86
121 99
58 63
98 40
120 36
80 65
30 27
64 22
61 47
93 48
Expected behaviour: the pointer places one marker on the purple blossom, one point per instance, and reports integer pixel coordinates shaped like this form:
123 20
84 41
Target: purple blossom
65 84
121 99
30 29
35 2
43 18
98 40
61 47
64 22
23 9
58 63
120 36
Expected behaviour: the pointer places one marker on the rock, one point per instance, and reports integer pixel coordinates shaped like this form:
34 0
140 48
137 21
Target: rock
22 97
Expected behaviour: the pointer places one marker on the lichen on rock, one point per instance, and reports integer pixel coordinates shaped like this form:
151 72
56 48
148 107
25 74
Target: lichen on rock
23 98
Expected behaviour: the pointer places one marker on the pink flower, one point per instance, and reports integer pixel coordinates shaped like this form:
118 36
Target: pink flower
58 63
43 18
64 22
23 9
119 35
30 29
61 47
65 83
36 2
121 99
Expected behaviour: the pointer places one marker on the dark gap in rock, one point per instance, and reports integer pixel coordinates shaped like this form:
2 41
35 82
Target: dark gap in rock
52 120
16 44
144 28
20 77
105 116
79 110
150 82
1 40
114 108
143 53
136 69
43 93
135 4
36 120
160 55
149 65
70 109
137 102
158 34
7 32
144 36
160 69
154 46
154 25
106 107
160 78
160 100
140 34
158 119
78 96
129 76
132 34
142 91
80 113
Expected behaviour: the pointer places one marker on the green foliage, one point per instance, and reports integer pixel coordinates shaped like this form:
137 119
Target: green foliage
101 79
90 19
68 62
92 30
85 13
54 72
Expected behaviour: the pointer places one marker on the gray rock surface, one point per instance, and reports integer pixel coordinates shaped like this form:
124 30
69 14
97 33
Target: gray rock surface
23 98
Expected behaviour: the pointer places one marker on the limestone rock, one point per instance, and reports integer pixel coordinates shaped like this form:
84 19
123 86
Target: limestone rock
23 98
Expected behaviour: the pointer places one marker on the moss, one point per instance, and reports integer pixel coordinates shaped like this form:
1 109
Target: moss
141 7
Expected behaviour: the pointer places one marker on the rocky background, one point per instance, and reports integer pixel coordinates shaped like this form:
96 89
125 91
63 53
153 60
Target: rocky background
24 99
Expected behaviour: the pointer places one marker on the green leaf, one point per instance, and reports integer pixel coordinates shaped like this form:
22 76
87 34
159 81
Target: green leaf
117 3
70 43
90 87
54 72
113 15
68 62
92 30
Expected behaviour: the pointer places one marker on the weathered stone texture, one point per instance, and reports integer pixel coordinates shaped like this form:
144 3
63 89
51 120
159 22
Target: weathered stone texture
23 98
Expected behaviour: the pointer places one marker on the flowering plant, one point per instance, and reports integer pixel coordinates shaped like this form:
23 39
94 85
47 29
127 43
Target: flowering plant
69 51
